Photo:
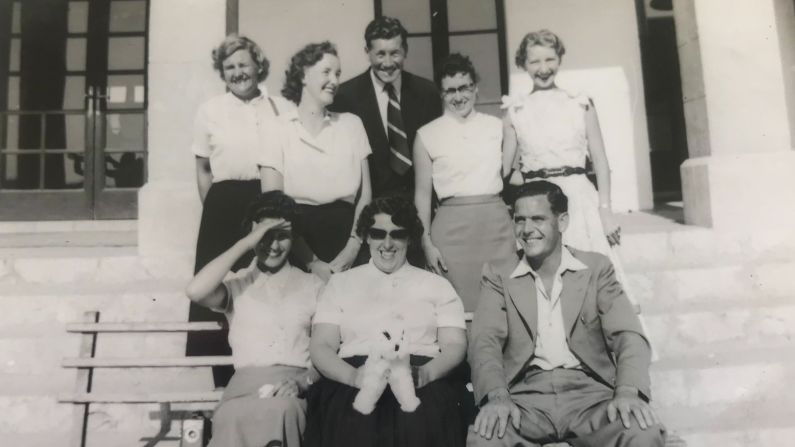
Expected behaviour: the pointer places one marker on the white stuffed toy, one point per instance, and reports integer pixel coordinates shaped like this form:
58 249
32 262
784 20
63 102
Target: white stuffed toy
388 363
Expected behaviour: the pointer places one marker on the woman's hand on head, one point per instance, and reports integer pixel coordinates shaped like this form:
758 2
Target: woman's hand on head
611 228
259 229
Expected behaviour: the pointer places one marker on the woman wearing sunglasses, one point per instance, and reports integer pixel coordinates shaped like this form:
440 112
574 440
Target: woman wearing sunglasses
459 156
354 309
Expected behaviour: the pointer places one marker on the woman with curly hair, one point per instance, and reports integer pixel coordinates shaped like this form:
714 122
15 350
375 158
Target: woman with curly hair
226 144
353 311
320 159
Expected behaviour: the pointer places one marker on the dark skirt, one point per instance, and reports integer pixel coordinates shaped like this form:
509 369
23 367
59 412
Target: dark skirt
470 232
332 421
221 226
325 228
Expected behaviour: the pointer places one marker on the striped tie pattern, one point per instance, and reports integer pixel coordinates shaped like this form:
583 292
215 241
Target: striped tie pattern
400 157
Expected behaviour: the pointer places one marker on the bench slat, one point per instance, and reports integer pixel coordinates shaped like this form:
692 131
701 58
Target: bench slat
144 326
141 398
142 362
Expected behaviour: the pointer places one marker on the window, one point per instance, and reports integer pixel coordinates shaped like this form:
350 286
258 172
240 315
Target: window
437 28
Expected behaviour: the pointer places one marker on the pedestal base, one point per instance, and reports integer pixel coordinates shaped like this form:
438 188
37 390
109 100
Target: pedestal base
740 192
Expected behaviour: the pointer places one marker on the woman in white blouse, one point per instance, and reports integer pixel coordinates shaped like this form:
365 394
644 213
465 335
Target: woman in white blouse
352 312
320 159
269 306
226 144
459 157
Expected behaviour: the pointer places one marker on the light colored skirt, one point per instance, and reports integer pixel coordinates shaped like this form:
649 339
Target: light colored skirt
470 232
243 419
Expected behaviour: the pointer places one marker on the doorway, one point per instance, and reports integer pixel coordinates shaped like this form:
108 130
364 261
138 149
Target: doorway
663 94
72 108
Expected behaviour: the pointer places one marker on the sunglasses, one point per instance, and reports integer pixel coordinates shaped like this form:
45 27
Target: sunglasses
379 234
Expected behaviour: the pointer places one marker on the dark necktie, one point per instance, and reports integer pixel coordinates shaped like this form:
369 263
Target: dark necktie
399 155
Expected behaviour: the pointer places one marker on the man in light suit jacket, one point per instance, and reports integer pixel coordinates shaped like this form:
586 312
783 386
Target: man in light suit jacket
556 350
366 95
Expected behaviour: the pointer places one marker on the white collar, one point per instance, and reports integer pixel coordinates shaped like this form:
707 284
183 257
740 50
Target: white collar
567 262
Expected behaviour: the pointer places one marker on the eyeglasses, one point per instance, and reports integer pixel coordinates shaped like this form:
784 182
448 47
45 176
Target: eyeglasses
466 88
378 234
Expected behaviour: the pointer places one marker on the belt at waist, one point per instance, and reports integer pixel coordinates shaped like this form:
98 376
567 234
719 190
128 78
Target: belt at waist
562 171
471 200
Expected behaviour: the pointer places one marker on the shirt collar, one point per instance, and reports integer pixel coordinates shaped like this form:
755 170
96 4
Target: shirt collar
279 278
379 84
263 94
376 271
567 262
458 120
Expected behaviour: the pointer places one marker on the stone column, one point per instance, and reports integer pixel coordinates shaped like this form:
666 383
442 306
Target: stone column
182 33
741 171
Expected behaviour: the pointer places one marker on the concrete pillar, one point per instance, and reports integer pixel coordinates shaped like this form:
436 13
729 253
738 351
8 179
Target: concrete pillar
741 165
182 33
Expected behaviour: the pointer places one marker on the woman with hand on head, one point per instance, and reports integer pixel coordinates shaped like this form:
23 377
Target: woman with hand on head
459 156
269 306
321 161
226 144
354 309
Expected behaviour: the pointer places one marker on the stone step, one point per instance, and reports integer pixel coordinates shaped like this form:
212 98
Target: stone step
679 289
674 245
731 378
88 233
717 330
87 267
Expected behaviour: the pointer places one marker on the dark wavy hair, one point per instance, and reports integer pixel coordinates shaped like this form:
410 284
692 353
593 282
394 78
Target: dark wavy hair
273 204
386 28
454 64
306 57
403 212
557 199
545 38
233 43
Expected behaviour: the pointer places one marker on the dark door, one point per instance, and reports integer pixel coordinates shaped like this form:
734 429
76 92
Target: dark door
72 108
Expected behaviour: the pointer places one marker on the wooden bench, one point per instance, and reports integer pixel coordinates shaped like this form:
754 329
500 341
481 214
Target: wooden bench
86 363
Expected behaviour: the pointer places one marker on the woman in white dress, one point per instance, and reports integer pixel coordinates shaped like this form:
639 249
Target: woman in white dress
550 132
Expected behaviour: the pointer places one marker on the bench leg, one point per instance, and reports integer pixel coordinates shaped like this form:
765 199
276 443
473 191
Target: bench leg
88 345
165 424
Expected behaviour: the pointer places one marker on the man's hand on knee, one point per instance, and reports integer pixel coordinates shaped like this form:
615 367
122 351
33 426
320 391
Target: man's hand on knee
625 404
496 413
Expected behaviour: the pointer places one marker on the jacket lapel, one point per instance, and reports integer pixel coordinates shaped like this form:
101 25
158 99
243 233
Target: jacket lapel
572 296
522 291
372 117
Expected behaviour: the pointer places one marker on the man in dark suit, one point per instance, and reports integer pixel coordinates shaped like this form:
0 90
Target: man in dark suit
390 124
556 350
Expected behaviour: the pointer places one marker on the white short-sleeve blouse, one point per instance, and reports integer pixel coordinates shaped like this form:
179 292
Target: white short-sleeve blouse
363 300
322 168
270 316
228 132
466 154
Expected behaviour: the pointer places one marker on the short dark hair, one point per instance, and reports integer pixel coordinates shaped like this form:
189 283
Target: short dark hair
233 43
402 211
454 64
545 38
386 28
306 57
557 199
271 204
